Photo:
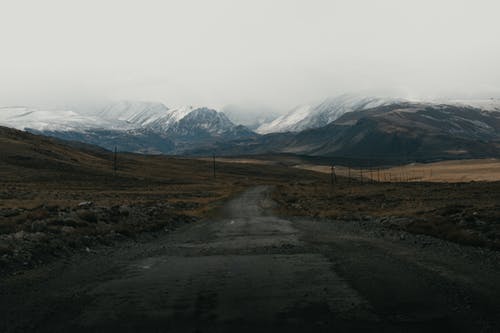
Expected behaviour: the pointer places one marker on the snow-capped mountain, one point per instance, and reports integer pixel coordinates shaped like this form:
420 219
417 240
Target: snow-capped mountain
306 116
169 119
123 115
118 116
387 134
206 125
132 126
202 120
186 121
149 127
21 117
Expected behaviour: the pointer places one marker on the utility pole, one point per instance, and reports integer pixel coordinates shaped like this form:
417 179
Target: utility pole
370 166
214 164
333 176
114 162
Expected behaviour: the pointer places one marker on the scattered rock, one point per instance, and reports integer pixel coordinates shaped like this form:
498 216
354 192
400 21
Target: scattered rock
85 204
35 236
4 250
8 212
88 216
67 229
19 235
38 226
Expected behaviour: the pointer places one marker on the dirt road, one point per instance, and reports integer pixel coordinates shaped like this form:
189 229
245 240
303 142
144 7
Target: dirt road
252 271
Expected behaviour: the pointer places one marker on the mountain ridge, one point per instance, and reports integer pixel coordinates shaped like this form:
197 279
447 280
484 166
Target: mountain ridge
361 126
394 132
304 117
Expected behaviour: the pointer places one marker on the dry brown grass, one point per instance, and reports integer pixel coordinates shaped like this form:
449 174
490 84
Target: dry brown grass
238 160
447 171
467 213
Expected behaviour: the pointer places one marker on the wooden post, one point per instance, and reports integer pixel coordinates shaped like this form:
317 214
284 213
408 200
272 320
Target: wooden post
115 167
214 164
333 176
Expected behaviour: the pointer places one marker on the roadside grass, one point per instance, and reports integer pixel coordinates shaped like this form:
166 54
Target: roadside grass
466 213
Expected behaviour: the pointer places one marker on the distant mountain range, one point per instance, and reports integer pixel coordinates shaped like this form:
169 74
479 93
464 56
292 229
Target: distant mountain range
392 132
344 126
144 127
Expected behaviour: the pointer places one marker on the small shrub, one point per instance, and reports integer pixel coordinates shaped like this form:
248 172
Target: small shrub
52 208
38 214
88 216
7 228
4 249
465 237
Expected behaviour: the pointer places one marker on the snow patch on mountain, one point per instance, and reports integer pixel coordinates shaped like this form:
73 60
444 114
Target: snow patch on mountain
288 122
22 118
307 117
136 113
491 104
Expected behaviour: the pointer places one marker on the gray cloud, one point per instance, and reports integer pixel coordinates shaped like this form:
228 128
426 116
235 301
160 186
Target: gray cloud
277 53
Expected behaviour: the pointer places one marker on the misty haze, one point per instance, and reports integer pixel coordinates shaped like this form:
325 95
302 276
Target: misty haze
272 166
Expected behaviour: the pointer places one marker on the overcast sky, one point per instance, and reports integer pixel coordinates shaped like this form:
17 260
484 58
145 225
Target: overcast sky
277 53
